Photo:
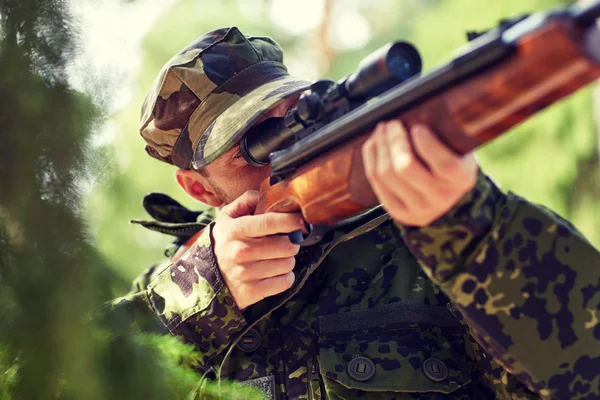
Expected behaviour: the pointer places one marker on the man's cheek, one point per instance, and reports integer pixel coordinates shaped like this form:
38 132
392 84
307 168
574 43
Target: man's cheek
257 175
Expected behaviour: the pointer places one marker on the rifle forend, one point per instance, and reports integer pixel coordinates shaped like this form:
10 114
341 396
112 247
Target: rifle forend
501 78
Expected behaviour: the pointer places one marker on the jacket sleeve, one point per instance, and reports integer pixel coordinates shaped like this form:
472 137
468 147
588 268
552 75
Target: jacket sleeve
190 299
527 283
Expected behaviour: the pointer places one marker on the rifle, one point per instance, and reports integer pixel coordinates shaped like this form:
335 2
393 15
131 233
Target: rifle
502 77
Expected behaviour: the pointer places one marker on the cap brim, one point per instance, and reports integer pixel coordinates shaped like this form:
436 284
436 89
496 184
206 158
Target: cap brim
229 127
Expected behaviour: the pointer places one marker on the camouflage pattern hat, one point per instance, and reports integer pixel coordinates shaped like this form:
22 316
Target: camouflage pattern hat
207 96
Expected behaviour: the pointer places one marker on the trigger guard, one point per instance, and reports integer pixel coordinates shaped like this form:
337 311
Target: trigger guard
315 234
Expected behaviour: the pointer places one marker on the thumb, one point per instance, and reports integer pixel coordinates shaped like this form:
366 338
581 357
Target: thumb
243 205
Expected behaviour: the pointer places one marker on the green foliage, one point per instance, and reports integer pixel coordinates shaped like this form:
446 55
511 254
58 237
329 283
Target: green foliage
158 367
8 370
178 360
51 275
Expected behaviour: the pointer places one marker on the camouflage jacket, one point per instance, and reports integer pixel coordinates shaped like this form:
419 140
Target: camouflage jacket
499 298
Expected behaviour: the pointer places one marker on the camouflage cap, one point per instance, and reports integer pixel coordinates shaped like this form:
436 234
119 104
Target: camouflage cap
207 96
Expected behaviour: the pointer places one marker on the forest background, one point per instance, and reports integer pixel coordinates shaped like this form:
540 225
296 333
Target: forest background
73 170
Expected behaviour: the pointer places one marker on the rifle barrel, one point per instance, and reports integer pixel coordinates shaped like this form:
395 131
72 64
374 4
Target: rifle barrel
587 15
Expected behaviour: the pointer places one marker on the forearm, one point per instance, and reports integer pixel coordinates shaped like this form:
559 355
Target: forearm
190 300
526 281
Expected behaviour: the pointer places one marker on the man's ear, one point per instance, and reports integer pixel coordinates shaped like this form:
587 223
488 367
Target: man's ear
198 187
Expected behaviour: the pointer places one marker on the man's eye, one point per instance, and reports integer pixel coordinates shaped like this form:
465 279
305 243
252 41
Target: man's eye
237 155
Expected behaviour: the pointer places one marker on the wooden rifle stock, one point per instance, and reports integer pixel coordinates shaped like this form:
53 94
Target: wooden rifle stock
548 64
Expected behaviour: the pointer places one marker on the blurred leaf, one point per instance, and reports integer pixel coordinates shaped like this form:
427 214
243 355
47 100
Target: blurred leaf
51 275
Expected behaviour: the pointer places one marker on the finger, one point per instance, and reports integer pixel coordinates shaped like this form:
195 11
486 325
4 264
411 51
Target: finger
272 286
243 205
266 269
406 165
395 180
398 143
368 153
438 157
392 204
270 223
266 248
412 200
382 156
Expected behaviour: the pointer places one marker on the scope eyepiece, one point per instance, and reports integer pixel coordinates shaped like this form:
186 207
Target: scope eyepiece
262 139
376 73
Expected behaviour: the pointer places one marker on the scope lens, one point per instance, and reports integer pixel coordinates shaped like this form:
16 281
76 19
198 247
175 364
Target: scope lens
403 61
383 69
263 139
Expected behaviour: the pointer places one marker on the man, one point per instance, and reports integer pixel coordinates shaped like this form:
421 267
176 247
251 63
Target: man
451 289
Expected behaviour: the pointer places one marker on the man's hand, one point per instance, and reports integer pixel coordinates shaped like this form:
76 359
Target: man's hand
416 183
253 259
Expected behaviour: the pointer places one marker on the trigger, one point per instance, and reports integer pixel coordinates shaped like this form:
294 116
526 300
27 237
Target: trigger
314 235
298 237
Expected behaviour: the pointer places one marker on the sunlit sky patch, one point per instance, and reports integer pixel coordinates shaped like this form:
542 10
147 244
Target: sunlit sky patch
110 58
349 29
112 32
297 17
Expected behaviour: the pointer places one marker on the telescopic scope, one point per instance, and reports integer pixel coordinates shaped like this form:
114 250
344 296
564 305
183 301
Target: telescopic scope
378 72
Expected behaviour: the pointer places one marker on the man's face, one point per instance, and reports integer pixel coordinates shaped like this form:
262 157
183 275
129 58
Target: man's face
230 175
